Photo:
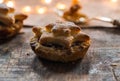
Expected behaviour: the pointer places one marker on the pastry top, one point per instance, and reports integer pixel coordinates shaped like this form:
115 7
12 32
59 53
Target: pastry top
59 29
64 29
75 8
62 34
8 17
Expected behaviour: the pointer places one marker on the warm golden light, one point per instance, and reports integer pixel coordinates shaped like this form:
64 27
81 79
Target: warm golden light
114 1
75 2
10 3
1 1
41 10
46 1
26 9
61 6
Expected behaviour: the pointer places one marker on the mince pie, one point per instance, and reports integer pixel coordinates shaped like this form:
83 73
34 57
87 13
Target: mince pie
10 22
61 41
74 14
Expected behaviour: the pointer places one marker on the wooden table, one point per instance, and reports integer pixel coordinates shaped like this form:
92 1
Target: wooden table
102 62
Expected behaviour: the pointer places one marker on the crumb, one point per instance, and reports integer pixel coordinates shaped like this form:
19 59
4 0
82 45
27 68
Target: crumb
28 54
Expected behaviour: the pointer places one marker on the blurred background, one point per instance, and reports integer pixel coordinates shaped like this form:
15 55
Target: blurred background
39 10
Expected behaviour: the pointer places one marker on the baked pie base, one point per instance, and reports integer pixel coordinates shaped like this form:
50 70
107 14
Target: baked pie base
7 32
63 55
61 41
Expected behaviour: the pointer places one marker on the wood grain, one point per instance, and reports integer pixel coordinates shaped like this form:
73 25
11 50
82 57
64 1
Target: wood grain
19 63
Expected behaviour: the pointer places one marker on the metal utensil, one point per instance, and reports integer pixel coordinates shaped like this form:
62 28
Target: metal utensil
114 22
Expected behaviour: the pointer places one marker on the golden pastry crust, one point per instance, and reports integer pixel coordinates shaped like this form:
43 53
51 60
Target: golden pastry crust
10 23
4 9
55 44
49 38
7 32
6 20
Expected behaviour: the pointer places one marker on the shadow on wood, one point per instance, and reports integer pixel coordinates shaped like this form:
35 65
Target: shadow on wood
42 67
2 41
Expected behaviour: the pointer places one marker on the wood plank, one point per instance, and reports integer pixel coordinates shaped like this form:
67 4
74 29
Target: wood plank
19 63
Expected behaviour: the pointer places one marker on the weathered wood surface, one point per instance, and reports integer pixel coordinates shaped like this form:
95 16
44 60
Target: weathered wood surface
19 63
